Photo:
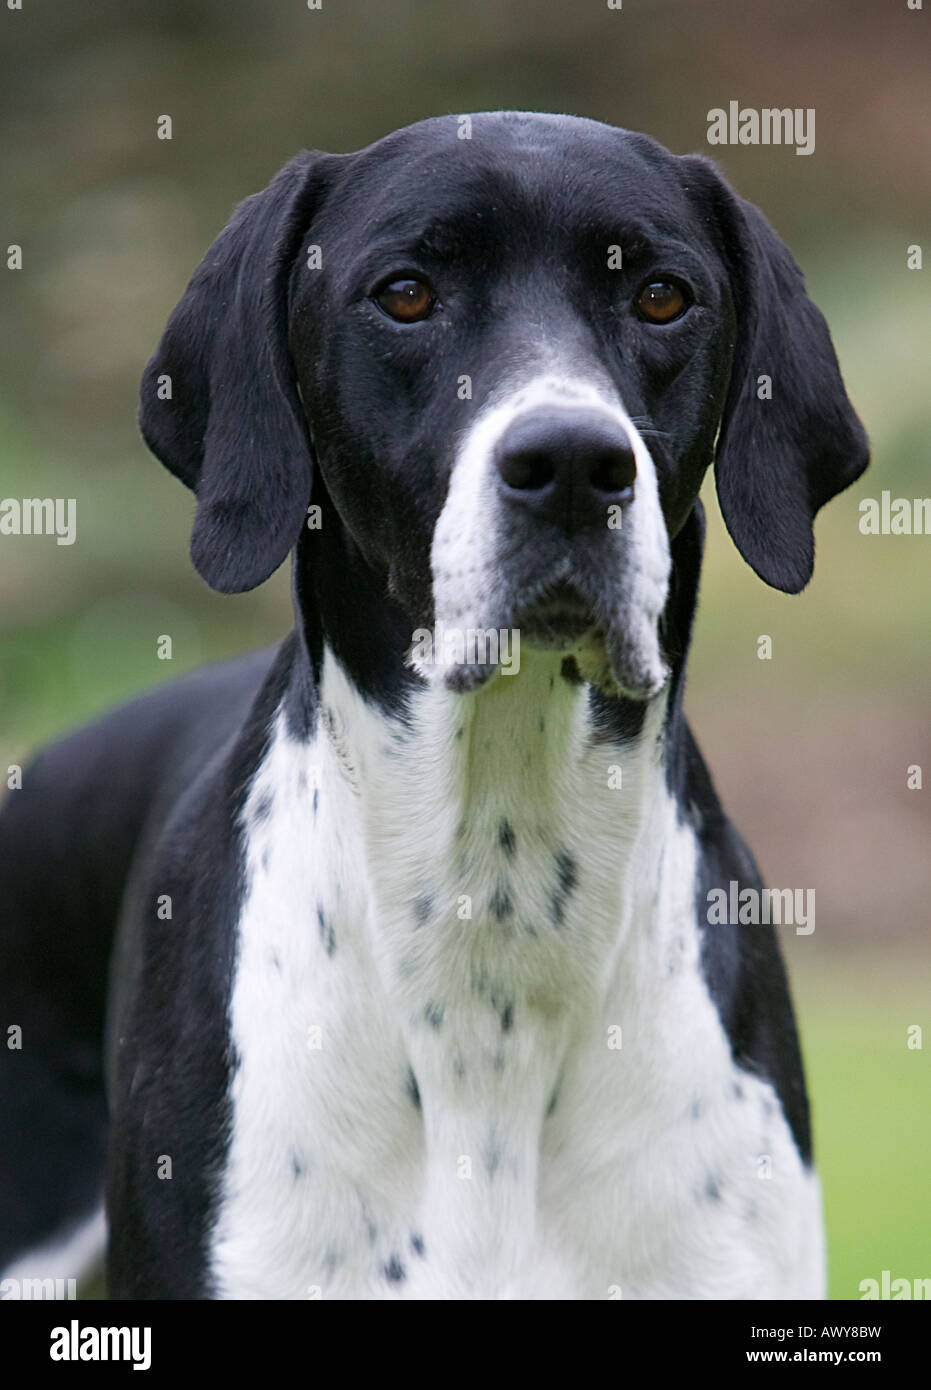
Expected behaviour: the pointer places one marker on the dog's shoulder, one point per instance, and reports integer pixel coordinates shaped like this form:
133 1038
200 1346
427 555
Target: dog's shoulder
168 1054
742 964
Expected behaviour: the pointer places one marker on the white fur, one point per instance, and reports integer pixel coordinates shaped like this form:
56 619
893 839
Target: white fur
608 1196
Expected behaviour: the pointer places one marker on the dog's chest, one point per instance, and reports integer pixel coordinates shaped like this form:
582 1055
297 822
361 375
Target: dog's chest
479 1060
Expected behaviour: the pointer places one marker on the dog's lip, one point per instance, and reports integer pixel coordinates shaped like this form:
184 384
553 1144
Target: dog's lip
559 616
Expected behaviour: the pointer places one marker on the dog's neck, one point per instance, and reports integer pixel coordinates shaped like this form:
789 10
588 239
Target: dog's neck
456 797
505 831
538 714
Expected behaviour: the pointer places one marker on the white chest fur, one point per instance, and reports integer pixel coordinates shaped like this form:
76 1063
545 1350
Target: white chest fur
477 1058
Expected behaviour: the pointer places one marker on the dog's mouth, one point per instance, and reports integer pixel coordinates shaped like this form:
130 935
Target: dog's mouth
557 620
609 644
562 619
598 612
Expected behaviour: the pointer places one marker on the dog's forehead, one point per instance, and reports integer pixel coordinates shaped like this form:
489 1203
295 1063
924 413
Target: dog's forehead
568 171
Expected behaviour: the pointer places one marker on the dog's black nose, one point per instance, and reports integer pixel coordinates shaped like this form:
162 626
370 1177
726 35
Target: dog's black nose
566 468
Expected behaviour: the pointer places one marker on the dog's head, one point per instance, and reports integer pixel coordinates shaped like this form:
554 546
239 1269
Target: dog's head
499 353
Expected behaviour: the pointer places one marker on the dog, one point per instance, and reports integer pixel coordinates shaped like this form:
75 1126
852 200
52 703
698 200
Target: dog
412 987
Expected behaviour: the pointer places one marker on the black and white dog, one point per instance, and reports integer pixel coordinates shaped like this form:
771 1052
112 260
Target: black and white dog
413 992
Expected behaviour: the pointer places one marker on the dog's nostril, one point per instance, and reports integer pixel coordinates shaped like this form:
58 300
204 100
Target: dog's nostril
613 471
527 469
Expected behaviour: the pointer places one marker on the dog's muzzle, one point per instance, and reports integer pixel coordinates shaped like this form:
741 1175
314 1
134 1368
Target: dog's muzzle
552 528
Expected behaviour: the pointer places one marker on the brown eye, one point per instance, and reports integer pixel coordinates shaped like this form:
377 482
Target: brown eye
661 302
408 301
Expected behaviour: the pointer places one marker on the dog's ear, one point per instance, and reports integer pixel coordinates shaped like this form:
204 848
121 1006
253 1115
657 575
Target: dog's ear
219 403
785 450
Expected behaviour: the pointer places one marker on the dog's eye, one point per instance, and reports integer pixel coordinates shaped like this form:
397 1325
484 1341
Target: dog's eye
661 302
408 301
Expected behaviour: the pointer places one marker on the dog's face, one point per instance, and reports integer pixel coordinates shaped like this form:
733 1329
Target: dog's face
514 340
510 357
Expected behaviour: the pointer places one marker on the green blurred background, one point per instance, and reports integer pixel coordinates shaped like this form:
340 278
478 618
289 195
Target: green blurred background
809 749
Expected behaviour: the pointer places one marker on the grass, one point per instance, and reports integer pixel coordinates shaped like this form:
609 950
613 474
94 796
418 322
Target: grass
871 1098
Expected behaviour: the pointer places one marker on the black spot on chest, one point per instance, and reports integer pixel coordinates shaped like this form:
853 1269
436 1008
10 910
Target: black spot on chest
566 882
712 1189
501 904
433 1013
327 935
506 838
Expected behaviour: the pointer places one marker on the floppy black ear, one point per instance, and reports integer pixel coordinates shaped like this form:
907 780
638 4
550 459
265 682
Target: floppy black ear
778 460
219 404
